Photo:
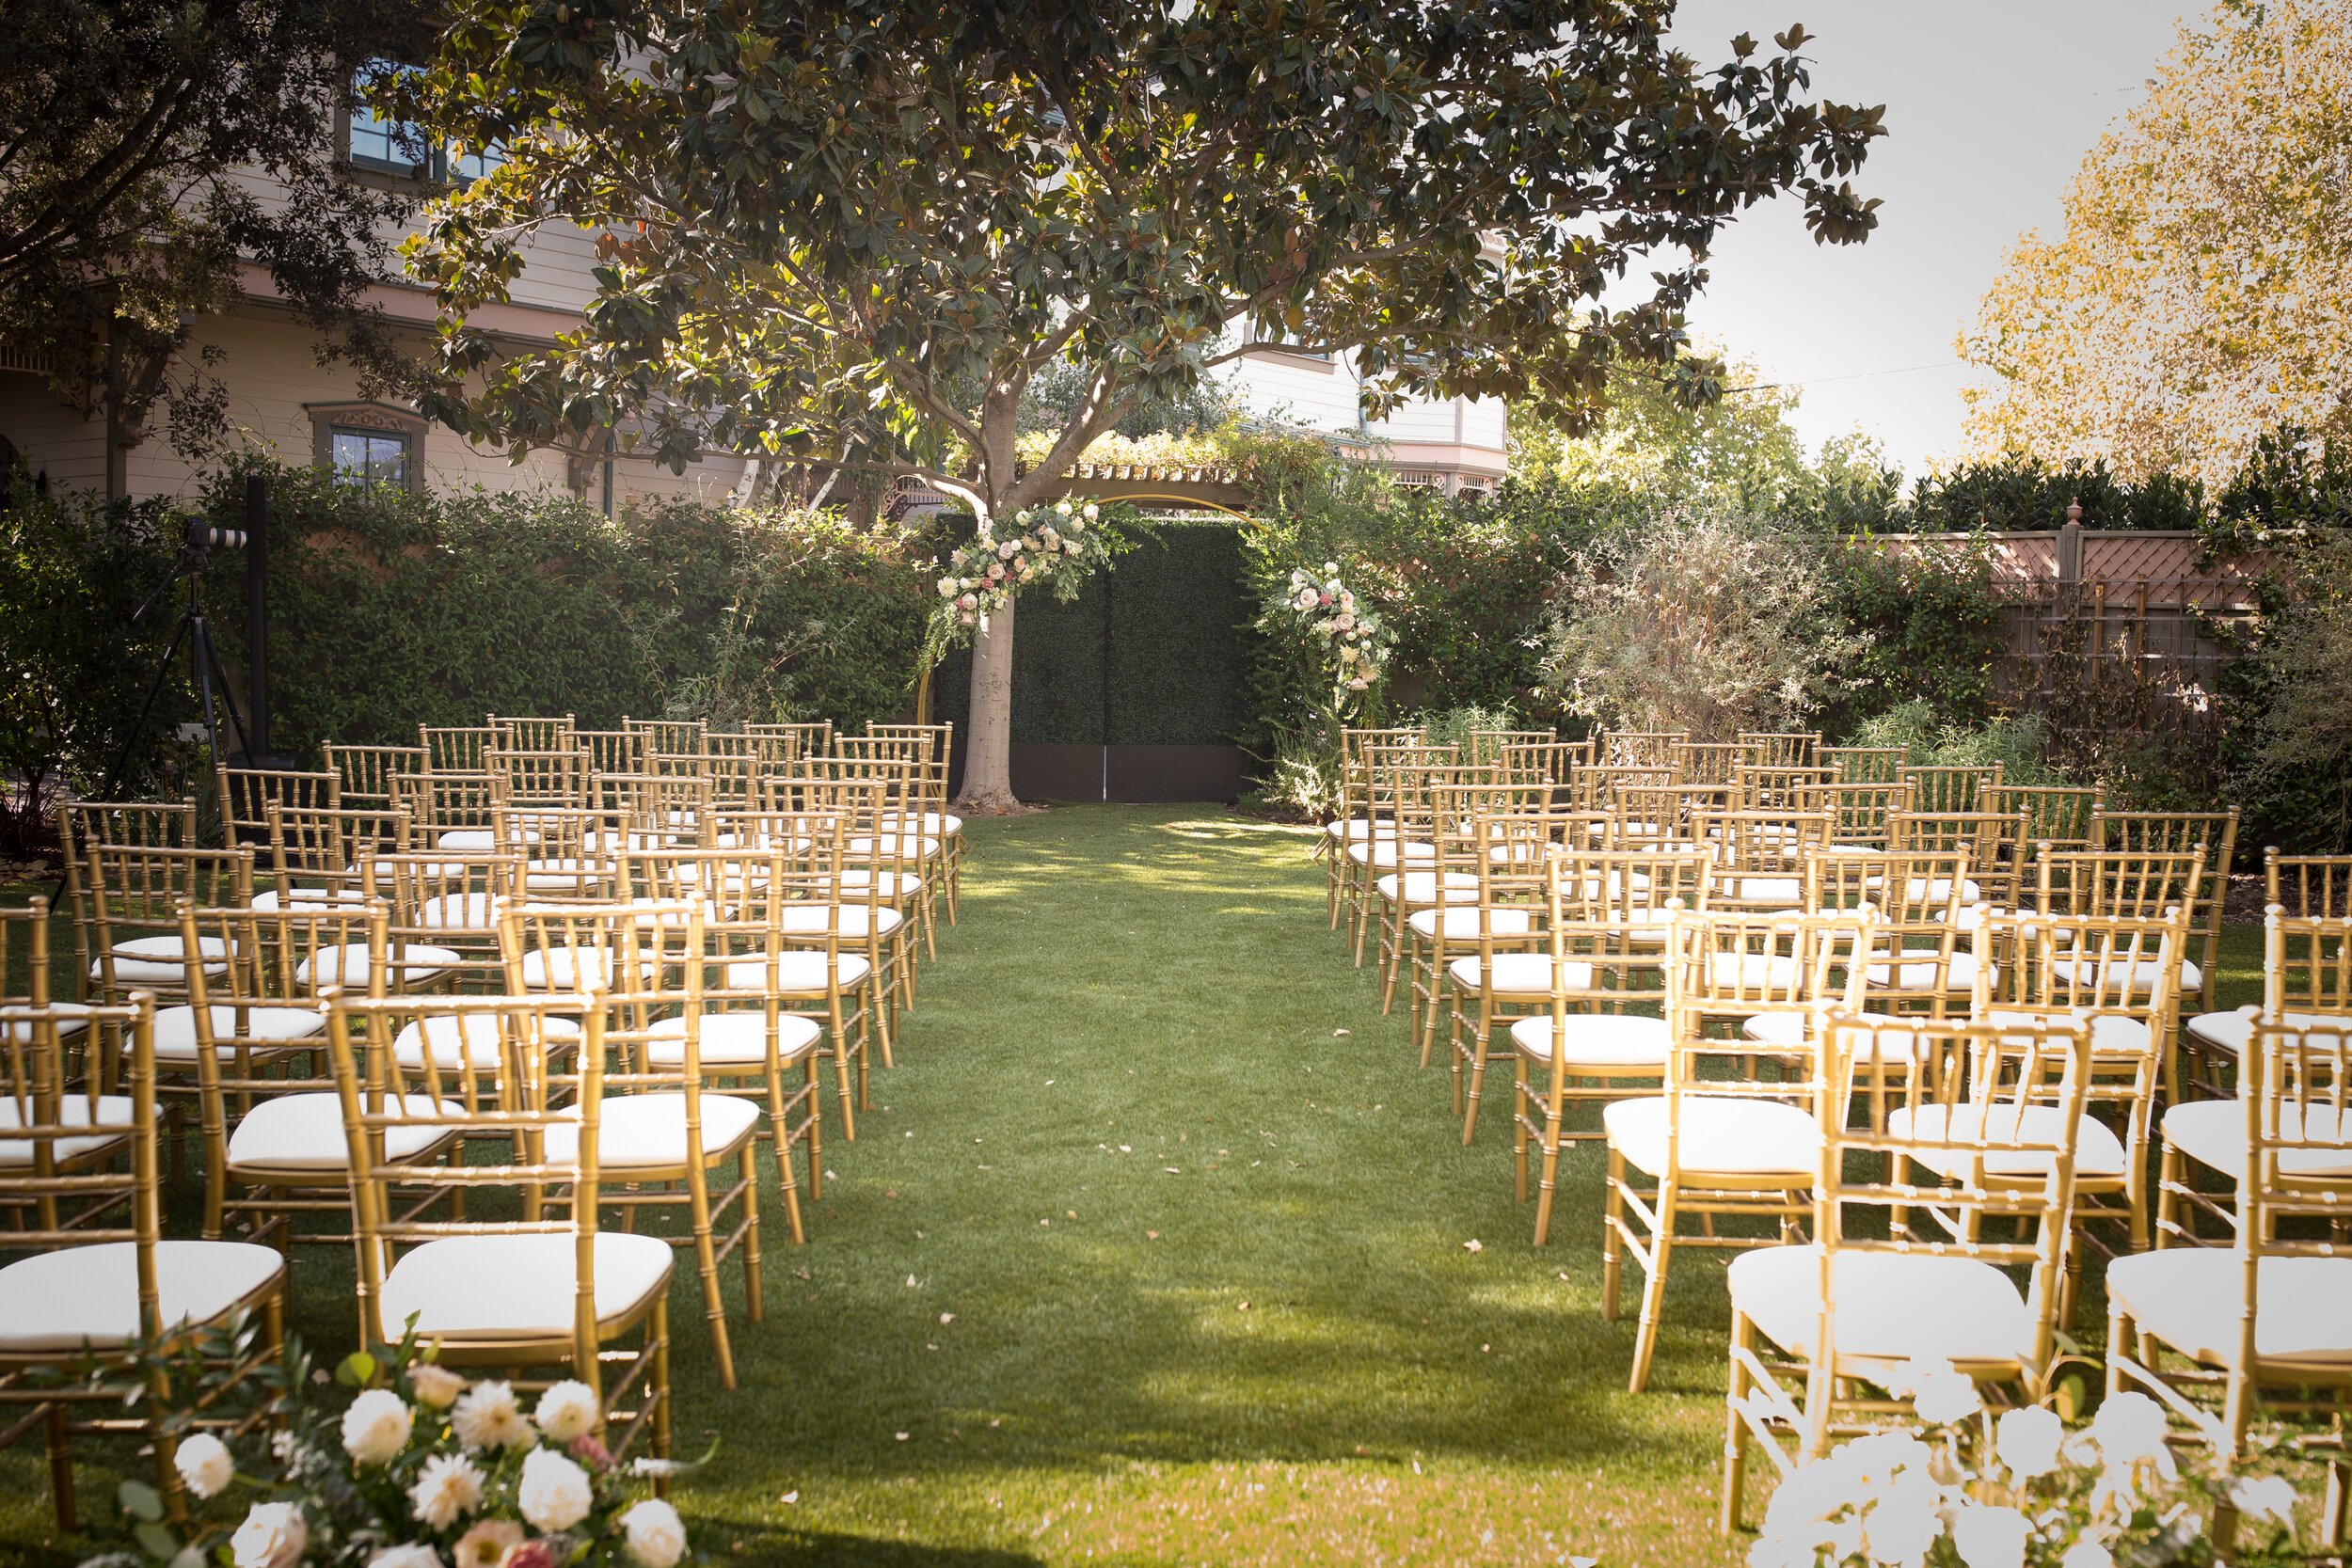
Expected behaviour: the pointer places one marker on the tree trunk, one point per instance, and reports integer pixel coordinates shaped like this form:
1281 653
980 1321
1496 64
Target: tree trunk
988 733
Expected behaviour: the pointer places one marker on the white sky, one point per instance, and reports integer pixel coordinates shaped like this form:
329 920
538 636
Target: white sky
1990 106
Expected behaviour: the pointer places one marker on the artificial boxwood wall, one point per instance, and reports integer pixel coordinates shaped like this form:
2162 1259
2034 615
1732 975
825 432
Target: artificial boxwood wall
1154 652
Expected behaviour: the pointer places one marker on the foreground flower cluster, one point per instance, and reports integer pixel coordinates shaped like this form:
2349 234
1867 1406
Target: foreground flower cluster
422 1469
1060 543
1347 635
2021 1490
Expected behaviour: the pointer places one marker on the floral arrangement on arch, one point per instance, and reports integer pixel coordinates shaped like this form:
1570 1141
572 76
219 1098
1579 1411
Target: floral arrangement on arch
422 1469
1060 545
1351 640
1970 1489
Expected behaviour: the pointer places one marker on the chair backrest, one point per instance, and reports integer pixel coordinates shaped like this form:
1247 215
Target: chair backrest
2092 968
447 800
2129 885
1723 968
1994 844
314 853
449 900
1759 855
676 737
1952 788
59 1191
569 853
2065 816
1644 814
1593 788
24 960
2308 885
136 895
455 748
246 795
1709 762
809 739
1860 813
668 807
543 733
611 751
1780 748
1866 764
550 778
1640 748
1632 894
2307 964
1548 761
365 772
1778 786
2149 833
501 1092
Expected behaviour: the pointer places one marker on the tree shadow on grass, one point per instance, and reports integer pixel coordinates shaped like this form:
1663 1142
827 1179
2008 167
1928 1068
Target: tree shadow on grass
769 1545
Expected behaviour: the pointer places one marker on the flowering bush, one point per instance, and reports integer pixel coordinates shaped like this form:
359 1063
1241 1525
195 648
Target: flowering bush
1969 1489
1061 544
422 1469
1348 635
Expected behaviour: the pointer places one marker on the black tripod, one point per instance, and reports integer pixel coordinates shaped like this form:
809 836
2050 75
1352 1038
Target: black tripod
197 634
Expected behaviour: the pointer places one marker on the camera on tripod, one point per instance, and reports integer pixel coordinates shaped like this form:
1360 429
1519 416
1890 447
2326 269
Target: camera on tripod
202 535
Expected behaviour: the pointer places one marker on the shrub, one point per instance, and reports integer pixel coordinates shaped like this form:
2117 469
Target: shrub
1709 624
2019 742
1933 625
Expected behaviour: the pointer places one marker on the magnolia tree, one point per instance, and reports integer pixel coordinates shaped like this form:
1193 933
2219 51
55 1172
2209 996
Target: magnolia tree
841 227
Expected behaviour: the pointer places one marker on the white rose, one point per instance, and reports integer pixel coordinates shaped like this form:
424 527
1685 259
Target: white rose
1990 1537
414 1555
1070 547
2129 1427
1092 511
1006 550
657 1536
1944 1396
1330 568
274 1535
1077 525
376 1426
554 1494
2028 1441
566 1411
2087 1554
994 571
968 601
1332 586
447 1488
205 1464
1905 1522
436 1386
489 1417
1061 508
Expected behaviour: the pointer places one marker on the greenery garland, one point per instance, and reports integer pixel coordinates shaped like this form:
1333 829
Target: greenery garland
1060 546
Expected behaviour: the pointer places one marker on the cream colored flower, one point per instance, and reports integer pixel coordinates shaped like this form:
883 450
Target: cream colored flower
2129 1427
274 1535
436 1386
205 1464
486 1544
2028 1441
489 1417
1092 511
657 1536
1987 1537
2261 1498
414 1555
2087 1554
554 1492
447 1489
566 1410
376 1426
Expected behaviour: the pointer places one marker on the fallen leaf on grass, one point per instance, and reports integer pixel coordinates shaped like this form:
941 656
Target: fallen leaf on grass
946 1317
1473 1244
1339 1033
790 1497
1150 1235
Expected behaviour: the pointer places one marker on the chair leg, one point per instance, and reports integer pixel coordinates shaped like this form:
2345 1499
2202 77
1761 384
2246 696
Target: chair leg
659 1326
60 1470
754 1307
1477 1083
780 1133
1735 1424
1519 1106
1548 1184
1653 1290
1611 1236
714 1299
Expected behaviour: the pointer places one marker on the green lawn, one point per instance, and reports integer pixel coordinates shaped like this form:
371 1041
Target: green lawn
1153 1250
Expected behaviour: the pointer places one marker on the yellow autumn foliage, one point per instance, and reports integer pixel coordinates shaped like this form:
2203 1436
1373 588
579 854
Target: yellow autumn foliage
2201 294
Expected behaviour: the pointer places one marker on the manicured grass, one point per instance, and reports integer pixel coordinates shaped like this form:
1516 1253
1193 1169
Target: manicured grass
1153 1250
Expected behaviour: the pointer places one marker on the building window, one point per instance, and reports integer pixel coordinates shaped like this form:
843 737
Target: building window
367 443
1267 334
370 457
398 146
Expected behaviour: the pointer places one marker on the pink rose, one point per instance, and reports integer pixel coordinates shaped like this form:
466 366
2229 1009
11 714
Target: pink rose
533 1554
590 1450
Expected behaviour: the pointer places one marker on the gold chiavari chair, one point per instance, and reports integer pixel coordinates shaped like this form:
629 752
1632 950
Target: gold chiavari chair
1479 895
247 792
135 900
1724 1139
97 1278
1993 843
1543 765
1775 786
526 1281
1948 788
570 854
2130 886
2096 969
2271 1314
932 755
1640 748
2065 816
1761 855
669 736
812 738
1659 815
1923 961
451 810
541 732
1826 1335
2308 885
1709 762
2307 976
314 853
1861 816
883 867
254 1042
1354 823
1607 917
1781 748
1458 796
557 778
26 967
443 907
662 1136
1866 764
2306 985
455 748
1594 788
611 751
366 774
1403 833
659 808
2177 833
81 824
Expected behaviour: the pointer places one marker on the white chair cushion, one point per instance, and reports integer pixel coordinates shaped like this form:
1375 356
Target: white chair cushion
415 961
479 1032
1522 974
459 912
1736 1138
1421 887
2098 1152
935 824
70 1017
1794 1029
2144 973
733 1040
890 884
560 874
1617 1044
168 949
1891 1307
645 1131
797 974
1918 974
1385 851
893 847
1775 971
304 1131
1353 828
1935 889
852 920
480 840
1463 924
567 969
113 1110
2213 1133
1779 892
2231 1031
519 1287
2111 1034
2190 1298
175 1029
159 960
268 902
58 1301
